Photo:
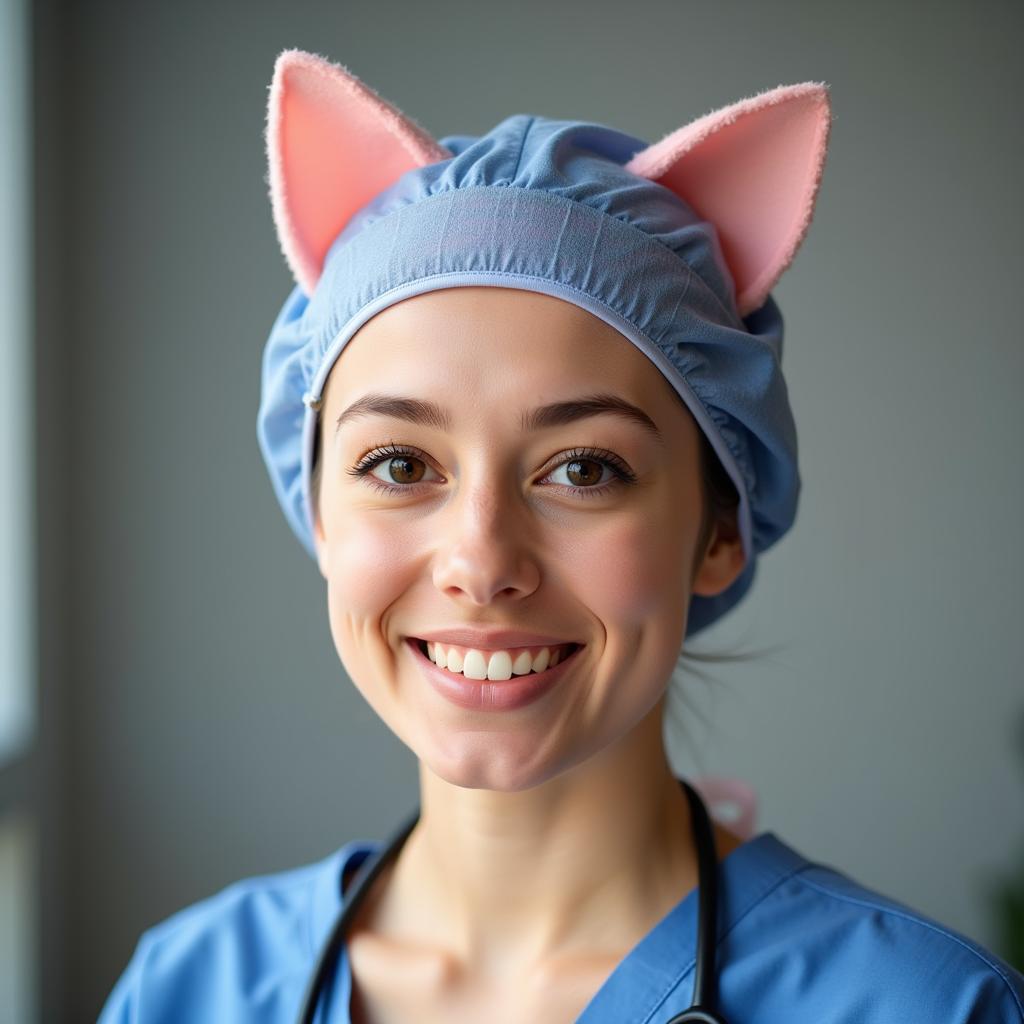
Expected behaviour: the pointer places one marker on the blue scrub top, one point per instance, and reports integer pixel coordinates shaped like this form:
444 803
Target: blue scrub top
799 942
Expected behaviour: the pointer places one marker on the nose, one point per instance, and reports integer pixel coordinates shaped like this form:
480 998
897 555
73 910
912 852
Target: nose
487 546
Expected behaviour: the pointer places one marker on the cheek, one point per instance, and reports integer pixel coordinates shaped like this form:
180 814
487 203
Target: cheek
367 571
634 569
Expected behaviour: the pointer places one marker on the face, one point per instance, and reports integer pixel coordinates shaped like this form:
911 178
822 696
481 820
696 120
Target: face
580 528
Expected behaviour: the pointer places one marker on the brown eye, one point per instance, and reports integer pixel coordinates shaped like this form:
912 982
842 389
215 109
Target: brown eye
589 475
584 469
403 469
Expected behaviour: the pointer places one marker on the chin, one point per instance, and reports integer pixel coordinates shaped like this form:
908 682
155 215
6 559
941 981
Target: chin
494 761
481 773
484 760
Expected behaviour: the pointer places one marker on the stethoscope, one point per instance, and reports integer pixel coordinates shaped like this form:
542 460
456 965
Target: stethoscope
700 1011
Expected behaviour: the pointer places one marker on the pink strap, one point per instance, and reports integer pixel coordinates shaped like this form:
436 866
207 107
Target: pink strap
731 802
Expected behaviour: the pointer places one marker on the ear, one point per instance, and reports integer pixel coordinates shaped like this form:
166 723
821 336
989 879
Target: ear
752 169
722 563
332 145
320 545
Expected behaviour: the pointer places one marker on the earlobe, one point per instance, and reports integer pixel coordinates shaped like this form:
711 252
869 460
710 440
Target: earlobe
722 563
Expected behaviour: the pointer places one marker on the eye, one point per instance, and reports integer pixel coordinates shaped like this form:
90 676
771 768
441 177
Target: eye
584 467
403 468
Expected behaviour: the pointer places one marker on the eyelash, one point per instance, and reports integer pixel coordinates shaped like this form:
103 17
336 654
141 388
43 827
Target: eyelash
621 472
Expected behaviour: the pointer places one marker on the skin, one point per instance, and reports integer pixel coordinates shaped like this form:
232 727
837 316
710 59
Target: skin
552 838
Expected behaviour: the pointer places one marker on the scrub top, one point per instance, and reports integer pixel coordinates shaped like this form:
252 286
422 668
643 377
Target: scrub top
799 942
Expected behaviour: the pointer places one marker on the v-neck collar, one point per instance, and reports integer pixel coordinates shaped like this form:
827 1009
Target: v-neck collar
654 969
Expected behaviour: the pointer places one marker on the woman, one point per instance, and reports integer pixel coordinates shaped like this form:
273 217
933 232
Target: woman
525 410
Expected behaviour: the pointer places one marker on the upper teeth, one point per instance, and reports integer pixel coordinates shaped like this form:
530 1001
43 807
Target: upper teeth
494 665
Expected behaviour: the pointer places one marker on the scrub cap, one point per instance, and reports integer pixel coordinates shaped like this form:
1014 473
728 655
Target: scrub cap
676 244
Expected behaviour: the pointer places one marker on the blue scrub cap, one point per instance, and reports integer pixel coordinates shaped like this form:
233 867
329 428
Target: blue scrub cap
674 244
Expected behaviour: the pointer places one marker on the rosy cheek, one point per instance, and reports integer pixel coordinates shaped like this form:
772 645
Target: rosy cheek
370 565
630 570
368 572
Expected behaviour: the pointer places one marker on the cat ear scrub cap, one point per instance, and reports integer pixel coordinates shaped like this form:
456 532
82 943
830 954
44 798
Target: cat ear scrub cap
676 244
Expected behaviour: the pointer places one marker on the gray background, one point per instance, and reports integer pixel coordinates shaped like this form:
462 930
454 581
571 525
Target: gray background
197 725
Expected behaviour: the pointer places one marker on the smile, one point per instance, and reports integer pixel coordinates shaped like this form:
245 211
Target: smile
495 666
483 693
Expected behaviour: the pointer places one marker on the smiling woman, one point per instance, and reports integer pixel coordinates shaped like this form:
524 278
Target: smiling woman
586 471
481 523
525 409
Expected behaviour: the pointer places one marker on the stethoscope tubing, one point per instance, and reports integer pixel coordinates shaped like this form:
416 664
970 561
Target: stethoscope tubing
331 950
704 996
699 1012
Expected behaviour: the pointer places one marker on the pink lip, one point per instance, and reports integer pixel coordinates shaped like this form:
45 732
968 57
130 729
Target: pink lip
482 695
492 639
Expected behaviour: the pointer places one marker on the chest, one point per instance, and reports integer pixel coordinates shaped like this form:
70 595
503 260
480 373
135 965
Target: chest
394 987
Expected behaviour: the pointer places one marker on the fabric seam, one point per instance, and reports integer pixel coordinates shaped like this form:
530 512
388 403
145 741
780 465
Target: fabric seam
732 318
682 975
931 926
522 145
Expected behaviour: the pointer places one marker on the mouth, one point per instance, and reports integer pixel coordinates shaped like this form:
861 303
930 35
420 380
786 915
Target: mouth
488 684
480 665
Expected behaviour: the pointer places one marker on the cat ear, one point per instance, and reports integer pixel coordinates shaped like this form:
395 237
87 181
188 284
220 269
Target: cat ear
752 169
332 145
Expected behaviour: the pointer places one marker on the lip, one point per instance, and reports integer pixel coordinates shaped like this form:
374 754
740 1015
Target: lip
483 695
492 639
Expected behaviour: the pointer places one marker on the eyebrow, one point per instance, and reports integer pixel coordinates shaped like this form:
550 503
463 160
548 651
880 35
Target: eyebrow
557 414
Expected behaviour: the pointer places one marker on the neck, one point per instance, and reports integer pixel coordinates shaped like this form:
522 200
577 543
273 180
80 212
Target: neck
514 879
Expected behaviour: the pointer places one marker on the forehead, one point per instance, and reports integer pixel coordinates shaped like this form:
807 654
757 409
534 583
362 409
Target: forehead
495 340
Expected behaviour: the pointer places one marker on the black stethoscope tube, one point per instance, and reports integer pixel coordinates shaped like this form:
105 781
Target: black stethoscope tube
707 916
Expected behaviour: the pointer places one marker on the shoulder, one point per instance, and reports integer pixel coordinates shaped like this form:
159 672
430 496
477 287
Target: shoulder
842 943
243 953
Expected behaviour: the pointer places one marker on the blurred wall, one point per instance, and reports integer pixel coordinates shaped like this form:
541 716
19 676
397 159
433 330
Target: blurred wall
206 728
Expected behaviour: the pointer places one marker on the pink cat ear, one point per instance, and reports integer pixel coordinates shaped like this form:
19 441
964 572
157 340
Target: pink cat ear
332 145
752 169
